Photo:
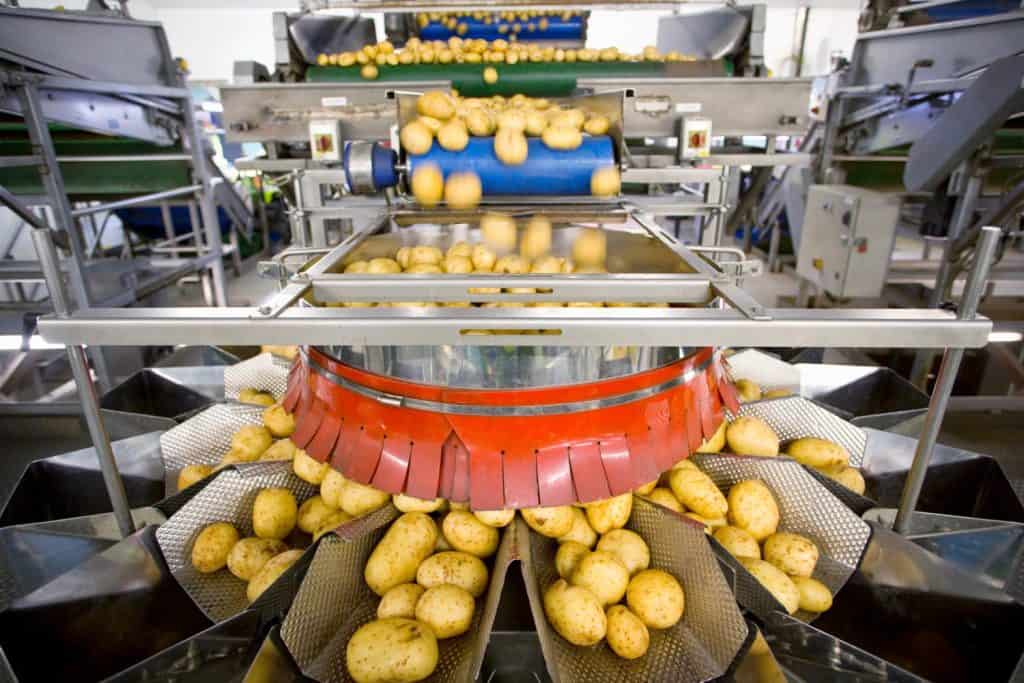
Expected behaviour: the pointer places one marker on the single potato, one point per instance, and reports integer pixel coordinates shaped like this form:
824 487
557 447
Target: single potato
752 507
562 137
738 542
457 265
358 499
392 650
278 421
568 556
750 435
462 249
749 390
610 513
256 397
717 441
272 570
498 231
416 138
656 597
794 554
312 514
357 267
628 637
575 613
850 477
596 125
698 492
457 568
250 555
427 184
408 541
495 518
536 239
447 610
212 546
331 522
190 474
510 146
406 503
552 522
605 182
400 601
274 513
436 104
646 489
465 532
814 595
603 575
665 498
249 442
480 122
777 393
425 255
383 266
590 248
463 190
282 450
628 548
453 136
309 469
774 581
818 453
581 531
484 258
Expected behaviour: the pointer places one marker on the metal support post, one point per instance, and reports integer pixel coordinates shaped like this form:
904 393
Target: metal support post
48 261
951 359
713 223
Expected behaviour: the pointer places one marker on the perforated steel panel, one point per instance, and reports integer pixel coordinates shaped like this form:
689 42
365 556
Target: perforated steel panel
795 417
204 438
228 498
265 372
334 601
700 647
768 371
806 508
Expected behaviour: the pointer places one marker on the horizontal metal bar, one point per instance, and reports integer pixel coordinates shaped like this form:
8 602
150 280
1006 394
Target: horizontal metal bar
474 5
798 159
135 201
122 158
671 174
14 161
87 85
835 328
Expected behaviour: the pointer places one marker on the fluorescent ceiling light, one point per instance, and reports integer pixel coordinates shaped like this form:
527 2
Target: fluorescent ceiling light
13 342
1004 336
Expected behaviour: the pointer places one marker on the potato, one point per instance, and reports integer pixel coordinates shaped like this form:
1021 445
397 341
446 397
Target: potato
656 597
572 118
646 489
447 610
462 190
309 469
436 104
432 124
278 421
752 507
402 256
369 72
331 488
467 533
814 595
552 522
510 146
498 231
777 393
605 182
628 548
495 518
250 441
480 122
665 498
749 390
453 136
420 268
357 267
312 514
256 397
331 522
568 556
603 575
230 458
717 441
461 249
610 513
562 137
536 239
698 492
490 75
512 119
849 477
425 255
212 546
774 581
457 265
383 266
408 541
457 568
627 635
575 613
272 570
358 499
483 257
751 436
274 513
760 645
250 555
794 554
536 122
406 503
581 531
427 184
596 125
400 601
190 474
282 450
416 138
738 542
589 248
513 264
818 453
392 650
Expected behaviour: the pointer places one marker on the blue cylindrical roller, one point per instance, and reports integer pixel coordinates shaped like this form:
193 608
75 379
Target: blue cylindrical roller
557 29
545 171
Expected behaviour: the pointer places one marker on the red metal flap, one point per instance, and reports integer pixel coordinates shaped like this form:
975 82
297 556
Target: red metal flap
366 454
588 475
424 477
307 421
486 481
341 459
325 438
692 416
449 455
519 470
393 465
554 476
615 457
641 454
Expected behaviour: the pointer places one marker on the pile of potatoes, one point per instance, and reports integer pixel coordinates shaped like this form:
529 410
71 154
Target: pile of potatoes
519 21
451 120
457 50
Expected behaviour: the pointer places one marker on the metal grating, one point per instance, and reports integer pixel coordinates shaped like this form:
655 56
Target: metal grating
265 372
794 417
205 438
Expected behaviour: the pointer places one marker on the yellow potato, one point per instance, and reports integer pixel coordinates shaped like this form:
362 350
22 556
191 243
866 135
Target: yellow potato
457 265
628 548
249 442
512 119
358 499
460 249
432 124
776 393
513 264
453 136
436 104
250 555
272 570
312 514
331 488
665 498
571 118
698 492
603 575
749 390
656 597
416 137
400 601
463 190
357 267
536 122
490 75
561 137
814 595
498 231
750 435
406 503
408 541
774 581
427 184
402 257
383 266
331 522
483 257
610 513
627 635
465 532
282 450
818 453
480 122
255 396
309 469
510 146
447 610
552 522
425 255
212 546
646 489
190 474
420 269
495 518
605 182
536 239
597 125
581 531
575 613
752 507
392 650
717 441
760 647
794 554
568 556
738 542
849 477
457 568
278 421
590 248
274 513
369 72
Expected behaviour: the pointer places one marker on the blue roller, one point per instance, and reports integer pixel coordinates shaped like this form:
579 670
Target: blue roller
545 172
557 29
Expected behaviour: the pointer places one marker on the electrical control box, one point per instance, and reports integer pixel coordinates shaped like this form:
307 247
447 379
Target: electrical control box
325 141
696 137
847 240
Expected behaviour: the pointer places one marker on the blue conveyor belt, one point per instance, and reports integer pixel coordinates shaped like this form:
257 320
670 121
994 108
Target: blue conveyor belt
557 29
